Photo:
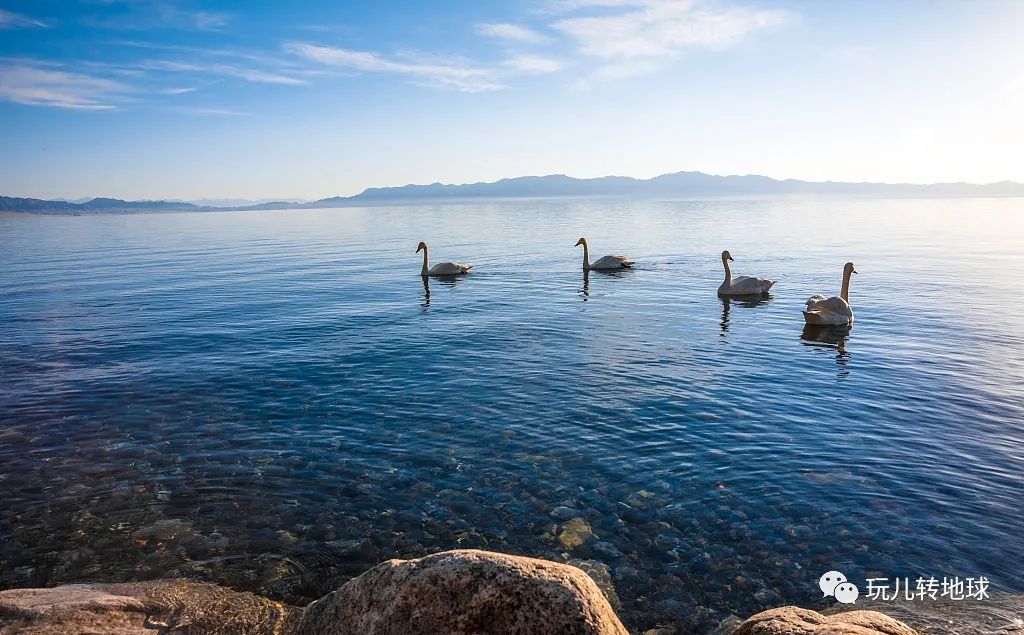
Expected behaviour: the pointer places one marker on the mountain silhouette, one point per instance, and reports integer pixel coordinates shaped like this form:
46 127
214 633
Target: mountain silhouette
678 185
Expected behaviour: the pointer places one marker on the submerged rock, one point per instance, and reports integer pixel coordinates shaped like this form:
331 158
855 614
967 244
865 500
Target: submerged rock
601 575
167 529
563 513
575 532
728 625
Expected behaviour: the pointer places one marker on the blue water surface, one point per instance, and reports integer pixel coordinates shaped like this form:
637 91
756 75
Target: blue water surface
276 401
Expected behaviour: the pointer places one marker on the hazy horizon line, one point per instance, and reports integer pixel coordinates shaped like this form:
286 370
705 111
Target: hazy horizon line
309 199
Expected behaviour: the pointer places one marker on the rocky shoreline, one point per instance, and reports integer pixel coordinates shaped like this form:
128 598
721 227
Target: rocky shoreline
459 592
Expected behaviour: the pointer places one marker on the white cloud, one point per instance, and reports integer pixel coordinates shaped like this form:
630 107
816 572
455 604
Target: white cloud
207 20
178 91
511 33
32 85
257 76
455 74
138 15
12 20
572 5
627 68
248 74
662 28
533 64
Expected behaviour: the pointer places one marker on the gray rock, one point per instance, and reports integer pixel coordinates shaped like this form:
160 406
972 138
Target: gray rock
728 625
562 513
606 549
601 575
167 529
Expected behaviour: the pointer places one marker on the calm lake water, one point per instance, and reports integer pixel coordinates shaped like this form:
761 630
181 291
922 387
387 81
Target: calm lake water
274 401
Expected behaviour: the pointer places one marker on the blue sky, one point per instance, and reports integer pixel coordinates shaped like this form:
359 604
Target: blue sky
258 99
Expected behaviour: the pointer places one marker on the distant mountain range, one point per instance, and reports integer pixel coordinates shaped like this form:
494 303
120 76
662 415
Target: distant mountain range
239 202
679 185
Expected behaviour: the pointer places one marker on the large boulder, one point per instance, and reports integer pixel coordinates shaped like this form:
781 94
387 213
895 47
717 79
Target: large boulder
790 620
465 592
164 606
454 592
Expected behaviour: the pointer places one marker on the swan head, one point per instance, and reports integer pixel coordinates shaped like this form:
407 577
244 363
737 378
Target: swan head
848 268
581 241
726 255
420 247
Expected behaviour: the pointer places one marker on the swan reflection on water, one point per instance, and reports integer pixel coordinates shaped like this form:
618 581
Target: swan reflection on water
829 336
585 289
584 292
745 301
450 281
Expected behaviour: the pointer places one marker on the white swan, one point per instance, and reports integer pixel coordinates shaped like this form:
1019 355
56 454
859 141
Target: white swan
441 268
604 262
834 310
742 285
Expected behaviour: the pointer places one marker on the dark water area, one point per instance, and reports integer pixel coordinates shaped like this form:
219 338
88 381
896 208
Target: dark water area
276 402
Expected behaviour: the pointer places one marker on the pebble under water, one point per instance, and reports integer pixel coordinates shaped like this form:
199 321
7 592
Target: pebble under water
276 401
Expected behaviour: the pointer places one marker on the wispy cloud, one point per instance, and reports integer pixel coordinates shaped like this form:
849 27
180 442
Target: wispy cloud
39 86
207 20
137 15
446 73
179 91
510 33
12 20
533 64
660 29
248 74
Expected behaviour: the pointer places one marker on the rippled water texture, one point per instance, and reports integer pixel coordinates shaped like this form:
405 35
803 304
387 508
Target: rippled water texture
273 401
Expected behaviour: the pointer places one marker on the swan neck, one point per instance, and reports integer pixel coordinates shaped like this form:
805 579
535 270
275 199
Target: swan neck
844 293
425 269
586 256
728 272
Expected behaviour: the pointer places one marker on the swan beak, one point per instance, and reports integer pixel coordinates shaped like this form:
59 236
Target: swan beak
578 243
730 258
853 271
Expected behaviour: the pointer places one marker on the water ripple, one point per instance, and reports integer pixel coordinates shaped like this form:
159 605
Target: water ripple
276 401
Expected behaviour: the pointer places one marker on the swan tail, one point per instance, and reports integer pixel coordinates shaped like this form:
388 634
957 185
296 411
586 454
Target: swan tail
814 317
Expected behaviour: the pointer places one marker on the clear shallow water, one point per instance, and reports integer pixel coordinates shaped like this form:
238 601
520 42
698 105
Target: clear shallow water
268 399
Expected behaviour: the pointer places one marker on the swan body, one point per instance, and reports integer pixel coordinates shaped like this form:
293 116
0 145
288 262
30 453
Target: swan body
604 262
835 310
448 269
441 268
742 285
